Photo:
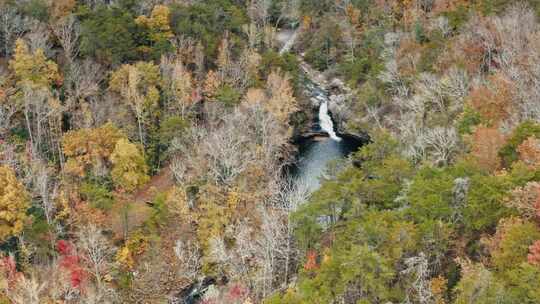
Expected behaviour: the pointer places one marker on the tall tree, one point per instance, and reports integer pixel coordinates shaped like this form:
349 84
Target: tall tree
281 102
159 30
14 202
138 85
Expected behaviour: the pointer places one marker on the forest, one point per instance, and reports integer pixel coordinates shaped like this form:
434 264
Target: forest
270 151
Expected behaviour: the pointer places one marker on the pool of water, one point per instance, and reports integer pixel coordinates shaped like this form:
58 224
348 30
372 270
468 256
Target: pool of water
314 157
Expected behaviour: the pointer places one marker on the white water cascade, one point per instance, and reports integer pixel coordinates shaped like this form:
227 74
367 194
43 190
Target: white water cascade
326 121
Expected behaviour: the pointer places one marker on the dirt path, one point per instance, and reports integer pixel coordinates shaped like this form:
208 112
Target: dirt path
134 210
159 183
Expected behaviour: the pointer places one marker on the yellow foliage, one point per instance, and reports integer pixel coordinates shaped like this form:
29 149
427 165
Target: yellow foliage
282 102
89 148
158 23
14 202
62 206
137 84
129 168
306 22
214 214
33 70
125 258
177 203
134 246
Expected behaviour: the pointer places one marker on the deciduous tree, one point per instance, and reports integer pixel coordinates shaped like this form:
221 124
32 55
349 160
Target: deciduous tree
90 149
129 168
281 102
138 85
33 69
14 202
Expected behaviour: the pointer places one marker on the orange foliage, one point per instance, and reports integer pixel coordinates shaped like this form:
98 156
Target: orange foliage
61 8
534 254
529 152
311 261
438 289
408 55
84 214
486 142
494 100
353 14
442 6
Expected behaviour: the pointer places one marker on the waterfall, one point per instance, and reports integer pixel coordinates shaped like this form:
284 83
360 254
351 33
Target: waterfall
326 121
289 43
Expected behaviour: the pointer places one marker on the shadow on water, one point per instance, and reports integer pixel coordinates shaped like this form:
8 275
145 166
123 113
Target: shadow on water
315 153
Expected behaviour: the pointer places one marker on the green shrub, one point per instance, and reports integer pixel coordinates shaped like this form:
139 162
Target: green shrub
172 127
458 17
469 118
509 153
97 195
228 95
37 9
287 62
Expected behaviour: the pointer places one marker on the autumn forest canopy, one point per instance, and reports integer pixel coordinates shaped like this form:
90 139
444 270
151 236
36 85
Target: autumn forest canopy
148 151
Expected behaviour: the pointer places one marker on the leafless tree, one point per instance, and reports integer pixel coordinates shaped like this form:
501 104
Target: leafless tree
97 253
29 290
189 256
420 290
443 142
228 152
459 197
12 27
67 31
82 82
259 11
184 153
177 84
37 110
44 185
38 37
7 111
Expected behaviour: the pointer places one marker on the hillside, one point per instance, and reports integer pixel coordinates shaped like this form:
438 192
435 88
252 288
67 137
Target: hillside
270 151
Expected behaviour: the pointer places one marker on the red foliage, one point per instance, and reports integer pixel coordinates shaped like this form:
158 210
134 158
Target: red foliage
486 142
237 292
534 253
311 261
9 267
71 262
64 247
